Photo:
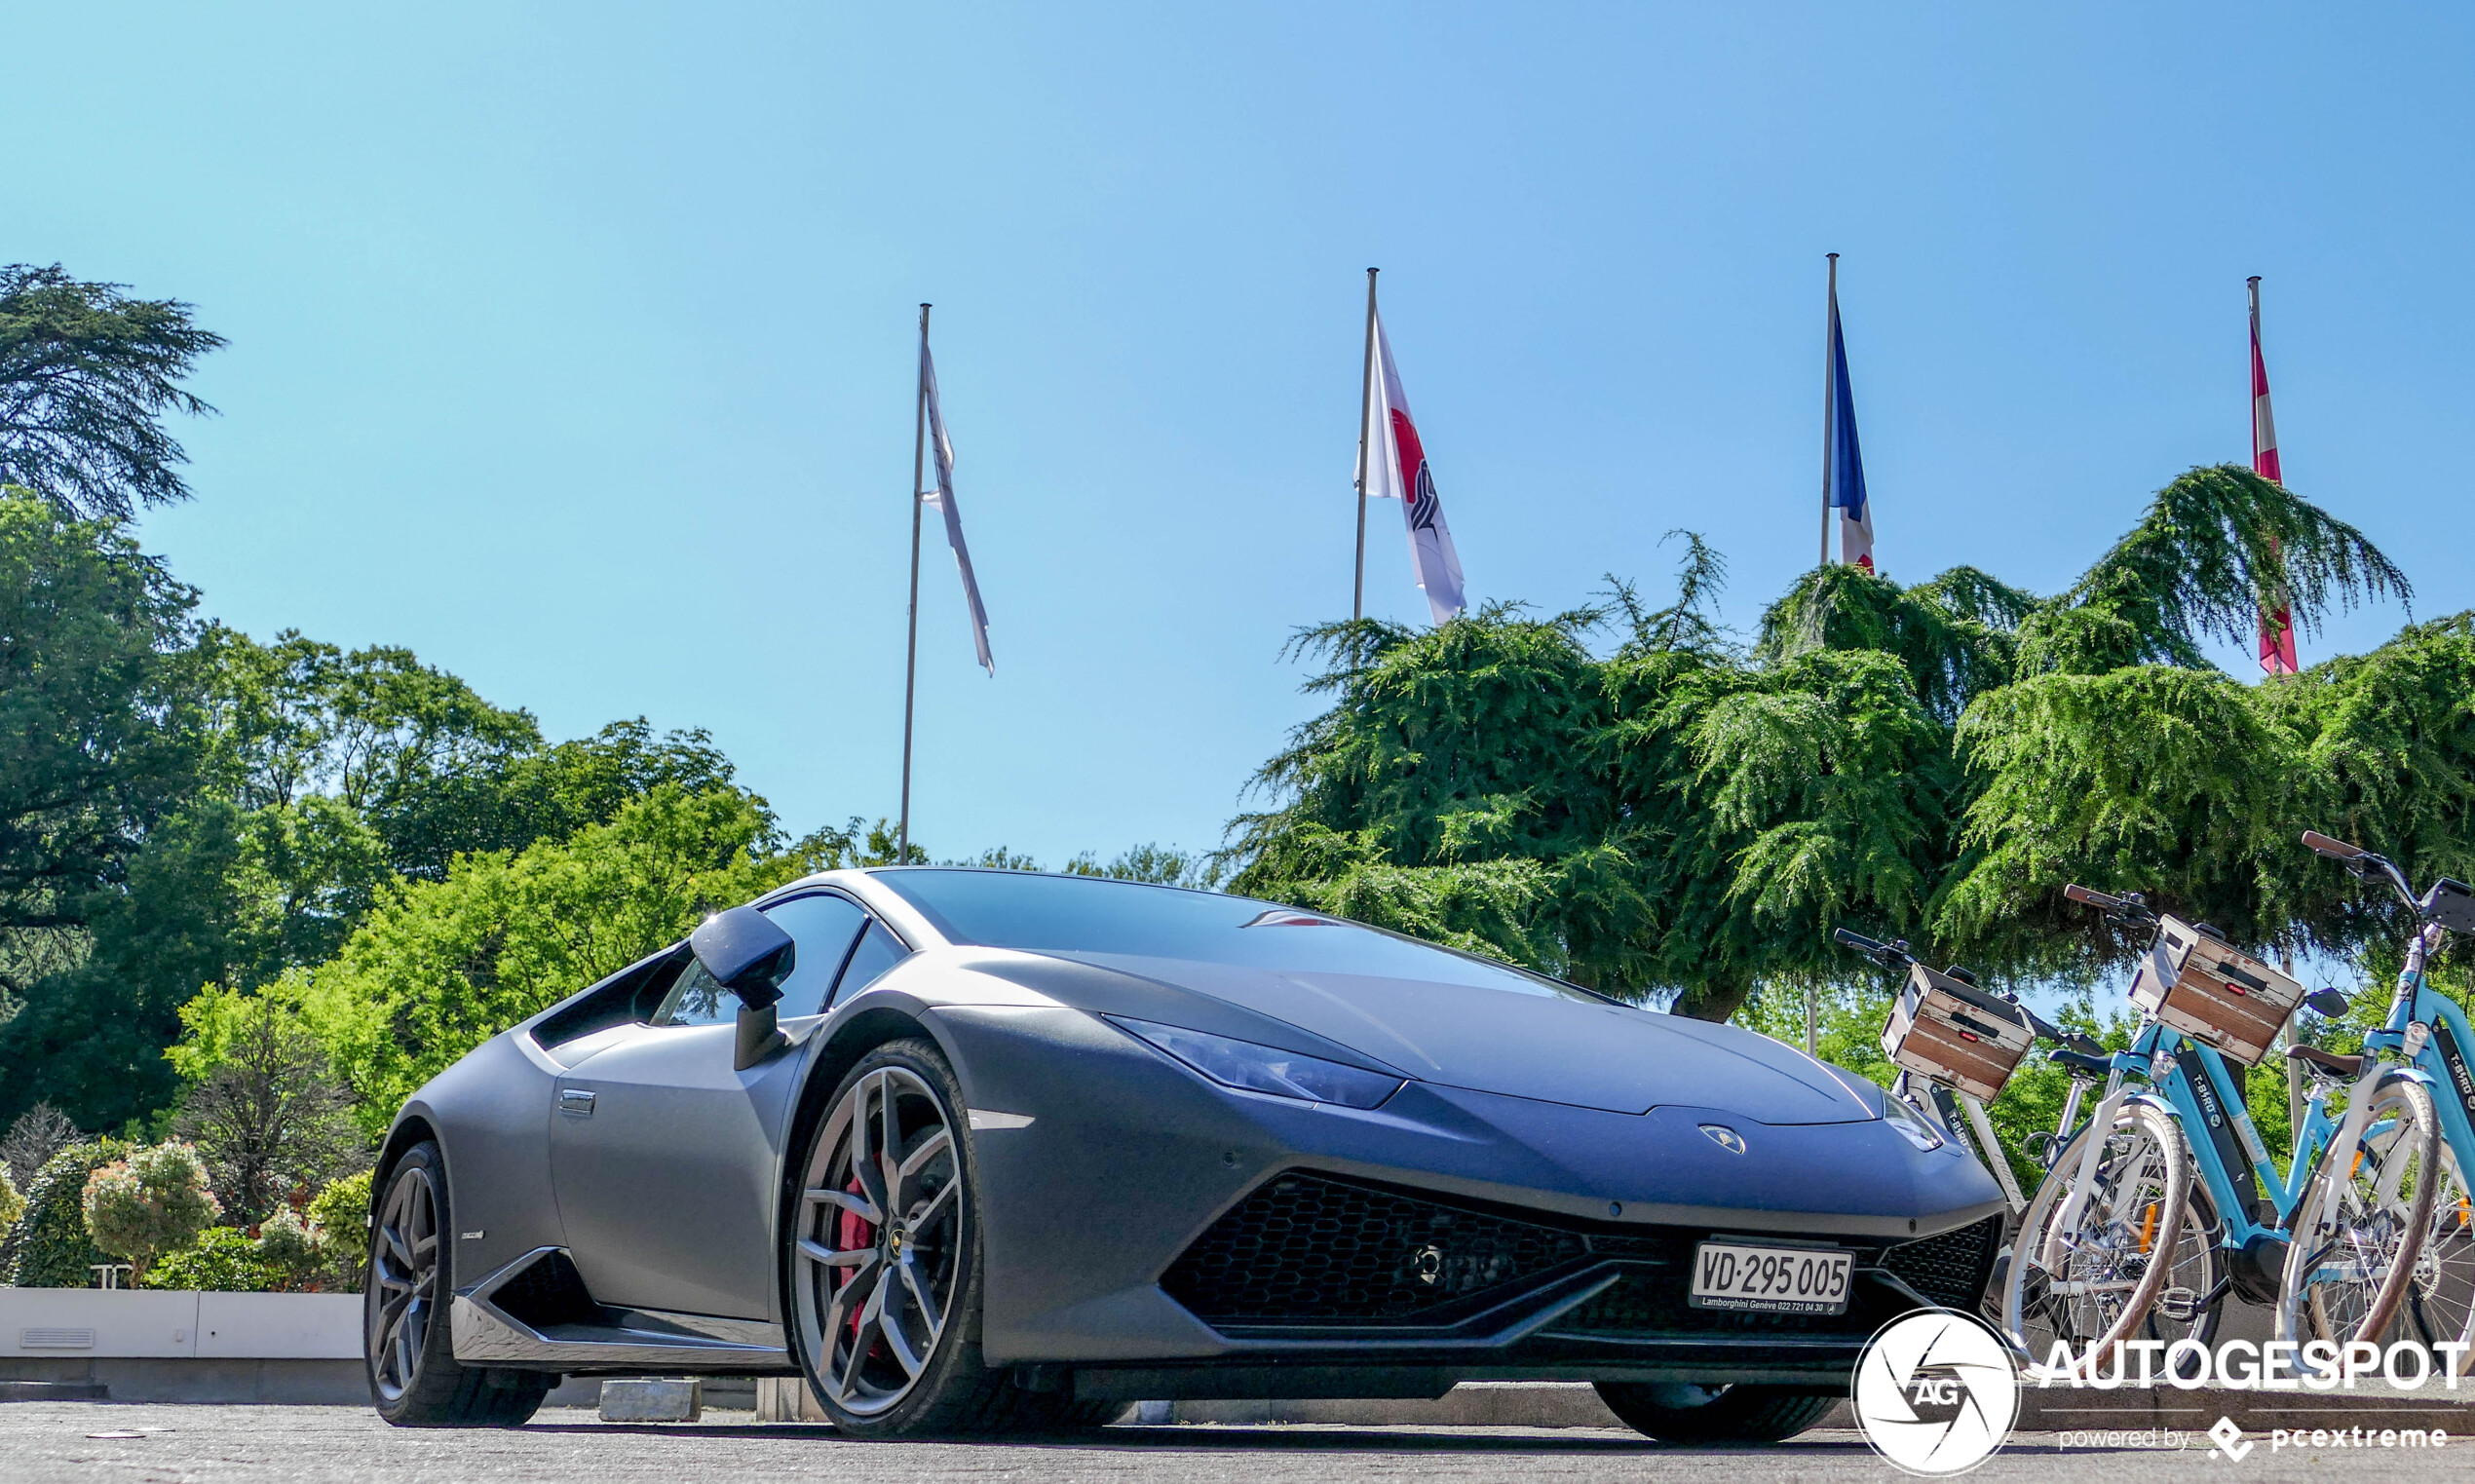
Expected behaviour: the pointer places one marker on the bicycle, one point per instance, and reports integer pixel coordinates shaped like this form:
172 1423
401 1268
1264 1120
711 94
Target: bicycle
1983 1028
2090 1275
2393 1241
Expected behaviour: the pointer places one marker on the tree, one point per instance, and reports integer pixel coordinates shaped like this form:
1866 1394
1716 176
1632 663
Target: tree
34 1138
440 967
90 1038
1685 821
86 376
261 1107
95 706
50 1248
148 1204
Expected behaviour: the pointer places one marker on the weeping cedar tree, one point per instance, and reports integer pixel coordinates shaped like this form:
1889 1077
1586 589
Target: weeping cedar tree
86 376
1683 818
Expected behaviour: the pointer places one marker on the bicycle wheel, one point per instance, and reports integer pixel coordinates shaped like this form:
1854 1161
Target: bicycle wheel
2359 1231
2190 1302
2109 1269
2441 1303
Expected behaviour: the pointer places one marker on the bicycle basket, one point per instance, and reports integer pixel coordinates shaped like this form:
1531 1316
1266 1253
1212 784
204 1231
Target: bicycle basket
1955 1033
2203 988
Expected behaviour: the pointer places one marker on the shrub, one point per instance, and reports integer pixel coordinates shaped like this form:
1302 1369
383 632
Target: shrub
52 1246
341 1212
12 1205
149 1203
222 1260
294 1250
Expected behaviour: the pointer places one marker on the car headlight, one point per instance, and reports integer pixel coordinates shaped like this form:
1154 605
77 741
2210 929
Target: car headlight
1264 1069
1910 1123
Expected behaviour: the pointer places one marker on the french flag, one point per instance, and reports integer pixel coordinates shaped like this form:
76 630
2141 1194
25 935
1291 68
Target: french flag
2278 620
1843 464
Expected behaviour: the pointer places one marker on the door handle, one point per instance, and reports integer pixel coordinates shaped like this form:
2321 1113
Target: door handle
576 1100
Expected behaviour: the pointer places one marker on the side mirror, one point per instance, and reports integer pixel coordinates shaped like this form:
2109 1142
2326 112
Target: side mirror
2325 1003
746 953
749 955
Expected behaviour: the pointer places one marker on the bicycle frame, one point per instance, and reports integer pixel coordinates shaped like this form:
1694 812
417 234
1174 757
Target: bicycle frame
2430 1033
2193 1086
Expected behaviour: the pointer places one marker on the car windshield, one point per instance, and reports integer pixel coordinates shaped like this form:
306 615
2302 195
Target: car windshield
1094 915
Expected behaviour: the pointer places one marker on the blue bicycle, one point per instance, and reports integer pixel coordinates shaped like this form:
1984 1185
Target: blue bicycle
2165 1201
2383 1235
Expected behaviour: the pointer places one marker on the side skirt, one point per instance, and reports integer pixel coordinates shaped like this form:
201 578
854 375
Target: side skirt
534 1313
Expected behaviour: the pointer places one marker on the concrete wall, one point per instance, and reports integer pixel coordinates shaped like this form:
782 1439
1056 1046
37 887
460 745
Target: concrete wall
96 1323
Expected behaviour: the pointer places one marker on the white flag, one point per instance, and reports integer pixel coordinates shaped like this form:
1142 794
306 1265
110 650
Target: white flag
941 500
1397 469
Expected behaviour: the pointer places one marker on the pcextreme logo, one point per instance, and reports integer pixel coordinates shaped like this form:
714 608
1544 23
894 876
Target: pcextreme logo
1936 1393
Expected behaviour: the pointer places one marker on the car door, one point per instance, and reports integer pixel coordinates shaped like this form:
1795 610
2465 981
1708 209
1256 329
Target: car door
664 1157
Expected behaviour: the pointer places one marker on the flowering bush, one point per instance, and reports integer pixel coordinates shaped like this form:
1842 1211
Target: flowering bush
148 1204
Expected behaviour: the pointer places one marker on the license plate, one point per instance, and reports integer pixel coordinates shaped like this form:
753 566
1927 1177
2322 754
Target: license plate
1771 1279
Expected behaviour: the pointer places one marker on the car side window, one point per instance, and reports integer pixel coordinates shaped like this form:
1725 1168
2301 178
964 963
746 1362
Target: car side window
879 951
696 998
823 925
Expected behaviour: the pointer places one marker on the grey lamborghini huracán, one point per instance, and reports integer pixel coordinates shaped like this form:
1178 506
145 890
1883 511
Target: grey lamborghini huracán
970 1151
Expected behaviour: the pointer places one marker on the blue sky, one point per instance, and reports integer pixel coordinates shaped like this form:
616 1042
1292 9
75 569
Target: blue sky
572 346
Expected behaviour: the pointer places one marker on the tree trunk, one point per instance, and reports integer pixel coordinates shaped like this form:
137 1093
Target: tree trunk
1712 1002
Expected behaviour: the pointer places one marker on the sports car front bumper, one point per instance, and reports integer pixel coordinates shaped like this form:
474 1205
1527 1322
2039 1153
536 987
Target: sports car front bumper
1116 1228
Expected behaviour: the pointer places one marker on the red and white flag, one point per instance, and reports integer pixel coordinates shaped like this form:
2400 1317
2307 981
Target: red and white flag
2277 621
1397 469
941 500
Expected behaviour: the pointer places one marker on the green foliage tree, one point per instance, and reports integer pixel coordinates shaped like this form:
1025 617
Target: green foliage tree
151 1202
86 376
94 701
261 1106
440 967
49 1246
1685 819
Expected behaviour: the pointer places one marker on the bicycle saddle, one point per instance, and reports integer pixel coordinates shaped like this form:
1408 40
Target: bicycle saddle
2335 1066
2080 1061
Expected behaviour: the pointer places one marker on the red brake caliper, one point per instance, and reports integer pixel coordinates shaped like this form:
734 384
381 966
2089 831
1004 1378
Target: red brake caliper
851 1235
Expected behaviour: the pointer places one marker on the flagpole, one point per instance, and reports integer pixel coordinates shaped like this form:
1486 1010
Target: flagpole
911 647
1830 322
1365 396
1830 411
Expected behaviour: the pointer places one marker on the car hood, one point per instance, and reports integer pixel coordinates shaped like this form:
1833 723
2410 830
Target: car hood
1583 1052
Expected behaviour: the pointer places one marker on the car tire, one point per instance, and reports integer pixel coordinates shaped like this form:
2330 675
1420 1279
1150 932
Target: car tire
885 1314
406 1344
1690 1414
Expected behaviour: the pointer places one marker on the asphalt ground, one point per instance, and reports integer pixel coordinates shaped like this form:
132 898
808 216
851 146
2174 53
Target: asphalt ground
41 1443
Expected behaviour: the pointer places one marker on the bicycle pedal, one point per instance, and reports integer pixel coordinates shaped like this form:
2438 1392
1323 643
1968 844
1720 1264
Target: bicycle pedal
2180 1304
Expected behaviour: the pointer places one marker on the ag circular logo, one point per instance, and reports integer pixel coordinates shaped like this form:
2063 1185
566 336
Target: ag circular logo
1936 1393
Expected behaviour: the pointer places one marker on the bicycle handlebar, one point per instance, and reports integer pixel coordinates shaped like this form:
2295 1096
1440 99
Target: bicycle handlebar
2331 847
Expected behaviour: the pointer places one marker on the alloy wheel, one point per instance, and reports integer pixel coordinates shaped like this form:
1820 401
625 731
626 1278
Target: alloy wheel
878 1262
404 1268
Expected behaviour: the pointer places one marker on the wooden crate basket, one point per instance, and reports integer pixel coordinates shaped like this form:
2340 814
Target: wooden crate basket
2220 998
1955 1033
